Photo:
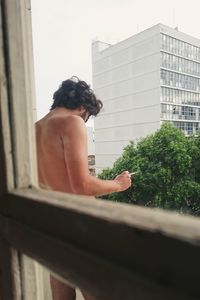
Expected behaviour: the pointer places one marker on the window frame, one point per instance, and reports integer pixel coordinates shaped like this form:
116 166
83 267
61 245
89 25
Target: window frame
112 251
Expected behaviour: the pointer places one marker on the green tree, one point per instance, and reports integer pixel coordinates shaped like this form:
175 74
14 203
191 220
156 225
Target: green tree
168 171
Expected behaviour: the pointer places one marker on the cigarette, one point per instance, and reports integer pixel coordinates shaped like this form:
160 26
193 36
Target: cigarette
132 173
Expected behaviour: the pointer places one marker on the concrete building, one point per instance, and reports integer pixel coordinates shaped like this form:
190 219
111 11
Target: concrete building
147 79
90 138
91 150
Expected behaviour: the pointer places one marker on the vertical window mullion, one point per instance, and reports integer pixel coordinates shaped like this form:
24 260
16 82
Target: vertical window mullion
20 64
6 157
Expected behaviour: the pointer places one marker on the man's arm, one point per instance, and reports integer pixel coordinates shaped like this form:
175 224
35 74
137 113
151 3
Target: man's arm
74 137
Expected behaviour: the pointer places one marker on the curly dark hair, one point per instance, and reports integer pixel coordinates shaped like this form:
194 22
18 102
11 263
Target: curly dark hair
74 93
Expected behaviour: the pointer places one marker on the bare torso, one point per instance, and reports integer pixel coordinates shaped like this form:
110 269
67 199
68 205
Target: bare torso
52 170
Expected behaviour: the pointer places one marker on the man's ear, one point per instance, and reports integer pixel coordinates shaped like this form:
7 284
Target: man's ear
81 109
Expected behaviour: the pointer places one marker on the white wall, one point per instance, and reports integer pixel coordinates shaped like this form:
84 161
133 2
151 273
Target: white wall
90 137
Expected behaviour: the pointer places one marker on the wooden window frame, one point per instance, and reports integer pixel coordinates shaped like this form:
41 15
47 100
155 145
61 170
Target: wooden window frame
112 251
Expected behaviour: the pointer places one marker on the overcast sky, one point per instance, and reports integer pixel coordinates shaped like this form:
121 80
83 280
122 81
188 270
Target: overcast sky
63 31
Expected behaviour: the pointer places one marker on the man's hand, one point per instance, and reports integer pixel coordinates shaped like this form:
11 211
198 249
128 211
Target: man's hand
123 180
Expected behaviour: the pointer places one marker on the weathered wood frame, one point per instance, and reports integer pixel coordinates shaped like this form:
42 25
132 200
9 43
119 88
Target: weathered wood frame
112 251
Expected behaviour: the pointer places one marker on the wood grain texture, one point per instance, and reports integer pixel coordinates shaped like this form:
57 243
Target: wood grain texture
108 250
17 140
19 63
6 157
28 277
10 281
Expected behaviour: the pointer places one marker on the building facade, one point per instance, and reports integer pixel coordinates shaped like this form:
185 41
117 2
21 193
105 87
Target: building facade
149 78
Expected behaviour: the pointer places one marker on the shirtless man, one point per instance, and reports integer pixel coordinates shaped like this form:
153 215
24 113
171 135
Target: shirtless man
62 153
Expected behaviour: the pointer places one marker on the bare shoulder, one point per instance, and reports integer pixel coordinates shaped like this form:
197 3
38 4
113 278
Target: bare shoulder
71 124
71 121
62 124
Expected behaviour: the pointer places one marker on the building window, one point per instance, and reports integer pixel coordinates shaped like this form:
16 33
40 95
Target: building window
174 79
178 47
179 64
178 96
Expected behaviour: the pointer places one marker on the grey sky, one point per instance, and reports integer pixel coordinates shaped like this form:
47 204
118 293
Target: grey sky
63 31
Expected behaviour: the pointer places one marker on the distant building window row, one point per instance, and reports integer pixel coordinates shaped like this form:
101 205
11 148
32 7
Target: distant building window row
176 63
174 79
177 112
187 127
179 96
178 47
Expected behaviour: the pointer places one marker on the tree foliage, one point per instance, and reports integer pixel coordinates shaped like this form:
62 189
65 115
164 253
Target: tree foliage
168 171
